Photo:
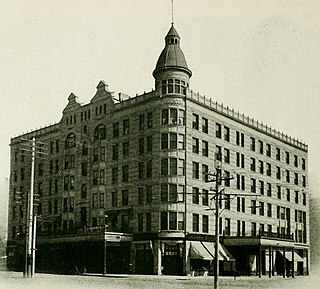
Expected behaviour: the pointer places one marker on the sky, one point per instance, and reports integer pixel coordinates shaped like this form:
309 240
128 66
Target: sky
259 57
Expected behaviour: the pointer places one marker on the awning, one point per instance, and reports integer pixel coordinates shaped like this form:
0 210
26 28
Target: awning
206 251
297 258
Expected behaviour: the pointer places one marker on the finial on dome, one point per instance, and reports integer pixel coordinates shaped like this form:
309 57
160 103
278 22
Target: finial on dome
172 22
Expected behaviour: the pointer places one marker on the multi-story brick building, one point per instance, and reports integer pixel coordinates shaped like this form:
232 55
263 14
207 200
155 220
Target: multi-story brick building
143 161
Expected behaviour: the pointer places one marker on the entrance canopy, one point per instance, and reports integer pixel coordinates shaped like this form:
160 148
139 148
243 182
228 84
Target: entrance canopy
297 258
206 251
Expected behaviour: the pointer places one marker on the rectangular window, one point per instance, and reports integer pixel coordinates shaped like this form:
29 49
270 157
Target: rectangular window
269 190
181 117
149 119
288 194
253 164
268 169
195 145
288 176
205 148
227 227
296 199
261 167
253 185
261 185
140 195
125 126
278 154
205 127
95 177
141 170
205 224
149 169
237 138
226 134
218 153
115 152
279 192
164 141
125 173
116 129
140 222
205 197
173 140
304 181
205 171
125 198
173 194
102 154
148 222
181 170
195 121
114 199
149 194
101 200
172 221
269 210
173 116
261 208
227 202
296 161
114 175
227 156
95 154
303 161
195 170
141 121
287 157
125 149
102 177
296 179
253 207
253 229
164 221
164 167
227 178
164 192
278 173
195 195
261 147
94 200
149 144
165 116
195 223
173 166
141 145
268 152
252 143
181 141
218 130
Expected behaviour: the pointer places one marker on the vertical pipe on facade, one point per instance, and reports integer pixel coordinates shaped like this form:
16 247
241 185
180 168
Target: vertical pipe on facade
185 180
30 215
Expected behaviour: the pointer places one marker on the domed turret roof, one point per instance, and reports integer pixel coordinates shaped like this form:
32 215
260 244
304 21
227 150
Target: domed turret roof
172 55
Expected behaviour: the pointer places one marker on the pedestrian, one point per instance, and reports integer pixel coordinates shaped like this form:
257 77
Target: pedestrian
84 270
75 270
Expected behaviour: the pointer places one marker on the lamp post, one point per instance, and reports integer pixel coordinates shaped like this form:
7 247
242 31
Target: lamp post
105 245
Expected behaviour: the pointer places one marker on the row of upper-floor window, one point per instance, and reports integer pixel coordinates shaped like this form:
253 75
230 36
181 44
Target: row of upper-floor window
263 167
263 148
240 183
171 85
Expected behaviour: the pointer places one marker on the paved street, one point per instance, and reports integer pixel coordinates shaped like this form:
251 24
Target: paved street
14 280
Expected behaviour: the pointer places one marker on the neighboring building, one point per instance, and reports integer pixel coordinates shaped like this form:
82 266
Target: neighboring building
315 236
143 162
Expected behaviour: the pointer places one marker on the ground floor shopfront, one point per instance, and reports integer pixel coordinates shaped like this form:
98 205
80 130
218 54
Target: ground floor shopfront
164 253
269 256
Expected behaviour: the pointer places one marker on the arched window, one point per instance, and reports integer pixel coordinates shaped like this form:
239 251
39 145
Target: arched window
100 132
84 191
85 149
70 140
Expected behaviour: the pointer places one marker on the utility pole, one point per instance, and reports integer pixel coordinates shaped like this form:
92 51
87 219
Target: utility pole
29 235
30 241
218 179
216 267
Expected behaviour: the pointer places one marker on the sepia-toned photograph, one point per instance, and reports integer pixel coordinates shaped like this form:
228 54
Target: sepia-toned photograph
159 144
